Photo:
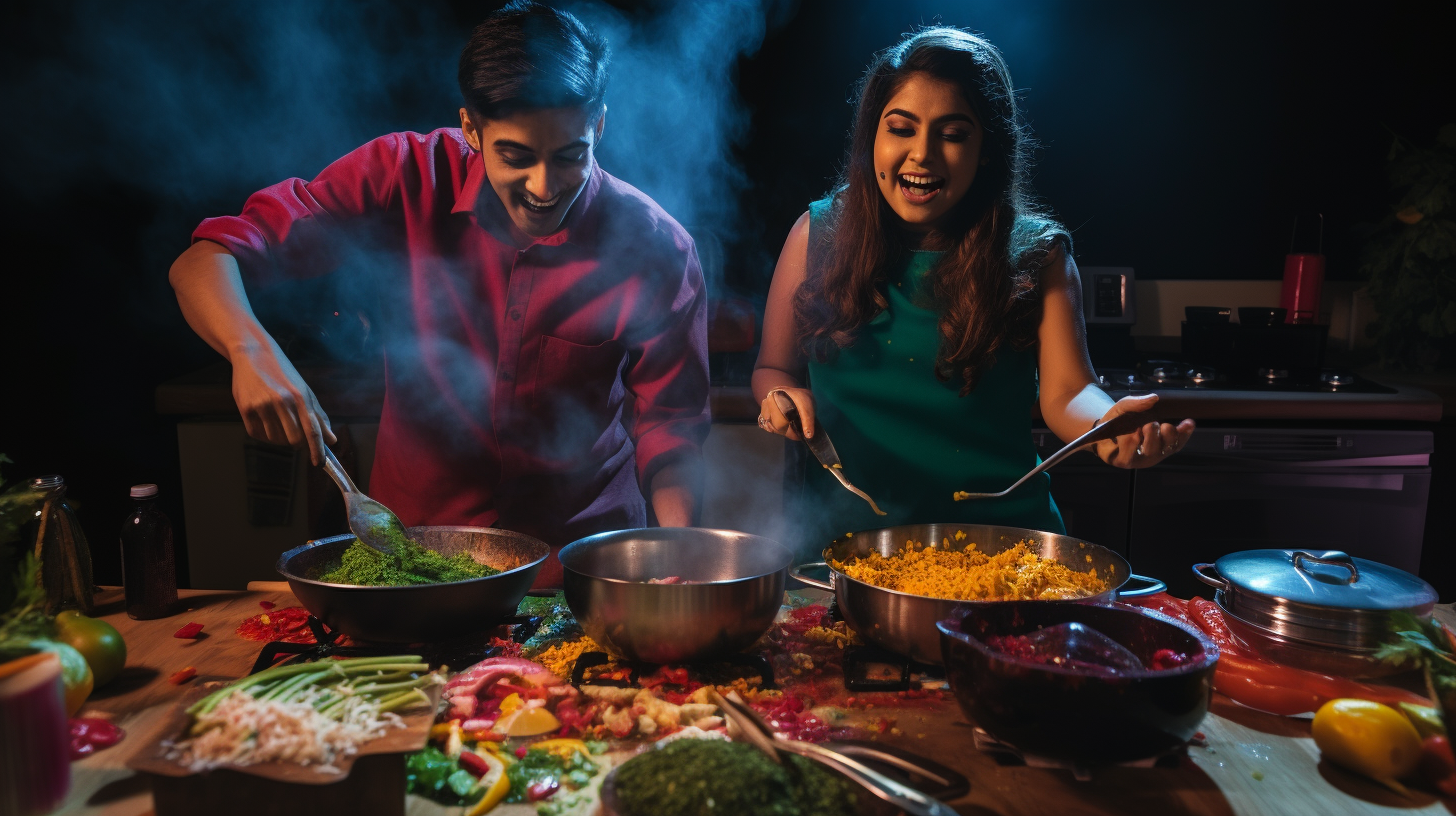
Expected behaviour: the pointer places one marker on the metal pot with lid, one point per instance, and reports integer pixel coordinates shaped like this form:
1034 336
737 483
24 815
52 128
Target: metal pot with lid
1325 610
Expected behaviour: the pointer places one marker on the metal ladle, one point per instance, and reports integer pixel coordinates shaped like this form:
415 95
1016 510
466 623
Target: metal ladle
747 723
1117 426
370 522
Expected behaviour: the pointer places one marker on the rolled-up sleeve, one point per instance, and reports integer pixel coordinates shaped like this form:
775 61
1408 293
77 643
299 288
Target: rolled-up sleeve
294 228
668 379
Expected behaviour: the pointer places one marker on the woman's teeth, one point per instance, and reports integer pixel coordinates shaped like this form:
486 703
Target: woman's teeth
918 189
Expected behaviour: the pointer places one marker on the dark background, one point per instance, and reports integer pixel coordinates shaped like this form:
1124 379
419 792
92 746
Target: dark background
1180 139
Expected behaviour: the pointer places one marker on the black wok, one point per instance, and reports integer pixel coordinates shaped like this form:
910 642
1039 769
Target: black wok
424 613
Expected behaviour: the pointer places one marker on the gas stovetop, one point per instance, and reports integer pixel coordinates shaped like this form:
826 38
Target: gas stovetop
1172 375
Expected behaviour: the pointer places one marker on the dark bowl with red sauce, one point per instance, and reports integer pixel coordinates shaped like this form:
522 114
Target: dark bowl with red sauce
1079 714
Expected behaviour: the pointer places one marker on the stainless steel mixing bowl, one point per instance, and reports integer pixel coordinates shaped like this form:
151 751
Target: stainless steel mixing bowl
424 613
739 587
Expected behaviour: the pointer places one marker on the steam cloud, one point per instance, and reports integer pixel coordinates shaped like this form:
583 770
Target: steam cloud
199 104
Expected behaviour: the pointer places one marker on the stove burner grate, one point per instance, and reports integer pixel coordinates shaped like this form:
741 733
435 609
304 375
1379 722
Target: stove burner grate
870 668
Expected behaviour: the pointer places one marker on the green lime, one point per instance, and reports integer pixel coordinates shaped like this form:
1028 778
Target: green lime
102 645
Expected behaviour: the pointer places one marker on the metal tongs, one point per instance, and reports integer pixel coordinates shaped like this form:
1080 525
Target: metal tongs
746 723
1117 426
820 446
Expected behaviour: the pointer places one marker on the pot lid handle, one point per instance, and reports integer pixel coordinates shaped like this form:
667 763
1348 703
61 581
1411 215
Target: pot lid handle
1333 558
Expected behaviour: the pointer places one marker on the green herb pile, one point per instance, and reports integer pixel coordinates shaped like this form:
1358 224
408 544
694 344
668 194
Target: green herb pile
1427 644
701 777
433 775
22 600
407 565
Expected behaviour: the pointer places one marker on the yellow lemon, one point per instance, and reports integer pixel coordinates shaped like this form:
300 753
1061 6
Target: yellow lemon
532 722
1368 738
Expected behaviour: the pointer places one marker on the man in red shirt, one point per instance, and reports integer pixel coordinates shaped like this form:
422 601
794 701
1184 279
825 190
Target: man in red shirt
545 323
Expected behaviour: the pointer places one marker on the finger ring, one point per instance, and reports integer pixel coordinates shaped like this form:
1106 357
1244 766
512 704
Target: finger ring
1165 451
762 421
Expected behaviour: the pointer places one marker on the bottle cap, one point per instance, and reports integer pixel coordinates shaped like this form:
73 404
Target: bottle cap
143 491
46 482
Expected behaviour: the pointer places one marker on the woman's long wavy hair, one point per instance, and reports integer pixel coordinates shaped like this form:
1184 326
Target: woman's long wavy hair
986 287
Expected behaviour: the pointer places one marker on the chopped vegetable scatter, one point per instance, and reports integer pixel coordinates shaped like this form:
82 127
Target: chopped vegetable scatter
189 631
541 773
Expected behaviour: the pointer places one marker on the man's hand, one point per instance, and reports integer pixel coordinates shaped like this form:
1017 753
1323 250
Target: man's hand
277 405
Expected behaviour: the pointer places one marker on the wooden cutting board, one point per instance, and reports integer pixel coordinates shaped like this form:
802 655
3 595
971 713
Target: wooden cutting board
1253 764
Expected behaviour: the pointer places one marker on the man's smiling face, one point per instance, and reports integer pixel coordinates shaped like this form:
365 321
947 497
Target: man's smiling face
538 161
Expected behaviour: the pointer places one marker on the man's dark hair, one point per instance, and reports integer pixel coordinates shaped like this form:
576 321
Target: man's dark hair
528 56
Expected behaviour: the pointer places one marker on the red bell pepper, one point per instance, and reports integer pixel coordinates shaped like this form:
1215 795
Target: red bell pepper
543 789
183 676
473 764
1282 700
189 631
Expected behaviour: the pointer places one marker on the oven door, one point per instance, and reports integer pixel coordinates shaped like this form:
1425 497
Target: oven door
1365 495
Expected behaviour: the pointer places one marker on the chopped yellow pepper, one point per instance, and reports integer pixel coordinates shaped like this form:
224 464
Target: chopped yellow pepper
498 785
563 747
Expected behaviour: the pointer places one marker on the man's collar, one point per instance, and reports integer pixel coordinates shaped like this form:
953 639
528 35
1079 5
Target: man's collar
478 198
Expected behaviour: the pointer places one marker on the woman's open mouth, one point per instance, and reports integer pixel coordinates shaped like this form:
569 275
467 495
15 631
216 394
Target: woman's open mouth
918 189
539 206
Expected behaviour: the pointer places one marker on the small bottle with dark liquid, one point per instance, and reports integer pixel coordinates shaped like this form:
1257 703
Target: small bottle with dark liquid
148 568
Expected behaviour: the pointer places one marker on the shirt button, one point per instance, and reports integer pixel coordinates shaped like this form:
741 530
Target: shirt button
507 376
515 314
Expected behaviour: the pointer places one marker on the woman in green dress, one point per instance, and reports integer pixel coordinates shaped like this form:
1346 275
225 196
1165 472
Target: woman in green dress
918 312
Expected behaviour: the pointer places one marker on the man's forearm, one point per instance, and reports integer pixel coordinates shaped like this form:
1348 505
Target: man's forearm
210 291
676 492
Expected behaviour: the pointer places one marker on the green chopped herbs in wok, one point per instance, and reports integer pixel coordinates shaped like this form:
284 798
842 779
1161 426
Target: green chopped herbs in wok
407 564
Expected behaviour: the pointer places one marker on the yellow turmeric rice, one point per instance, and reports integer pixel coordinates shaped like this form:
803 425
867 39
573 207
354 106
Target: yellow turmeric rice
1016 574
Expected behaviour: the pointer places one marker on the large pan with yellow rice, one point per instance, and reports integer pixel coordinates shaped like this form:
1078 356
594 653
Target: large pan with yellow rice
893 584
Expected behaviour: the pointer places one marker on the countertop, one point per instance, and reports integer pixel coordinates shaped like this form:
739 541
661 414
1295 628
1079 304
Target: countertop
1252 763
359 393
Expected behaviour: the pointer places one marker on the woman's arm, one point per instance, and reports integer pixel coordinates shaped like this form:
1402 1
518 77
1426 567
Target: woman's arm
780 363
1069 398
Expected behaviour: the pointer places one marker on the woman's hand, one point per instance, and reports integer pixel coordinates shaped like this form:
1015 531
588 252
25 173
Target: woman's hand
1148 445
277 405
772 419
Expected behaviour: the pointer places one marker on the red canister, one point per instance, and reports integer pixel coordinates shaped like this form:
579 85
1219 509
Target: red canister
1304 277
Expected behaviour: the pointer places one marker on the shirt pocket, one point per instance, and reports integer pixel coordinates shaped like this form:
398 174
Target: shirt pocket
578 393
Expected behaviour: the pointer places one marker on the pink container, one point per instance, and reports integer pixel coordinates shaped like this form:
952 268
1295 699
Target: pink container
1304 277
35 754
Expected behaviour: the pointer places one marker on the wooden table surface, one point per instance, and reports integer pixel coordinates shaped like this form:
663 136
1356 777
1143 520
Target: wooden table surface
1254 764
